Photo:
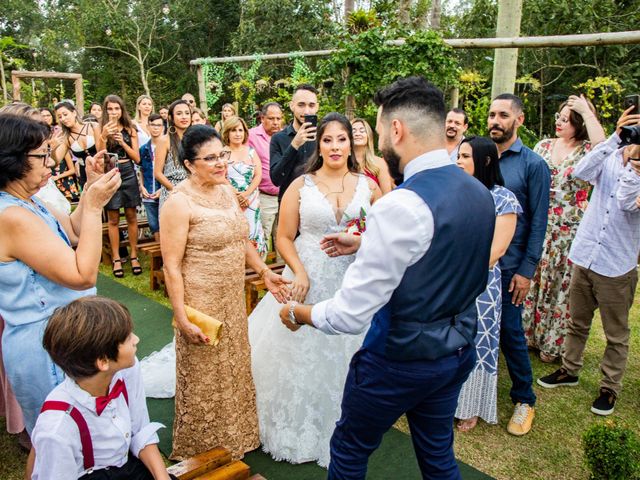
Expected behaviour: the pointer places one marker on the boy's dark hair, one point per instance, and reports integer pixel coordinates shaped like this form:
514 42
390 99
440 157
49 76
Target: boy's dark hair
486 162
306 86
516 101
414 93
153 117
84 331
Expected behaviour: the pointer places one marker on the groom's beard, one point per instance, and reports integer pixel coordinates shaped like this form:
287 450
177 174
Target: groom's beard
393 161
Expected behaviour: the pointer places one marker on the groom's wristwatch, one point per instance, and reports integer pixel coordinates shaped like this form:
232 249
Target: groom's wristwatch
292 313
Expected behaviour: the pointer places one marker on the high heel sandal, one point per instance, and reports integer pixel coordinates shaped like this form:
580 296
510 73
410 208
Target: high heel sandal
117 272
135 270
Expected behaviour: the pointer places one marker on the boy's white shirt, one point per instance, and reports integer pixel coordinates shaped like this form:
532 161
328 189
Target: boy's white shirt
120 429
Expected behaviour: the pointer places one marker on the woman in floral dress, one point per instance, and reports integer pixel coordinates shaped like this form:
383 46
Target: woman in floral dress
244 175
546 313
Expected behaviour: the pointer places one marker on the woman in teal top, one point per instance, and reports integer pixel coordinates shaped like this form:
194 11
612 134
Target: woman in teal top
39 269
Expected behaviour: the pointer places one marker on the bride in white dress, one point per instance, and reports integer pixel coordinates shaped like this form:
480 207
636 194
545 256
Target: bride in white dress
300 377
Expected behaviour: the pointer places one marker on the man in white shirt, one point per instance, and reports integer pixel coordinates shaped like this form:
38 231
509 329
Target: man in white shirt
415 279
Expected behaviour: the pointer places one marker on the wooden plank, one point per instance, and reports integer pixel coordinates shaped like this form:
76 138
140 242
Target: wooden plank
201 464
42 74
555 41
232 471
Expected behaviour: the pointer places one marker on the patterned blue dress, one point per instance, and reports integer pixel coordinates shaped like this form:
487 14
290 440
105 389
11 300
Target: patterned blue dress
478 397
27 300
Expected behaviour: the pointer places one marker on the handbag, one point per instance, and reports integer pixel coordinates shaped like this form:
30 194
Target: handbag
211 327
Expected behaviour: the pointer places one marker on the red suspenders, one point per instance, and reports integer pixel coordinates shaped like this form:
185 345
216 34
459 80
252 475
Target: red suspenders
85 436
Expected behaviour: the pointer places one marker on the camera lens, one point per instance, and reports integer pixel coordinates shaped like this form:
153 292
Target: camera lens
630 135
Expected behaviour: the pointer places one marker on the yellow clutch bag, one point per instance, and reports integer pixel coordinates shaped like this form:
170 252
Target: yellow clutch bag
211 327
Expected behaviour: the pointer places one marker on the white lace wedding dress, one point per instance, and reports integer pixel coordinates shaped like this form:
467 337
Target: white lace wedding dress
299 377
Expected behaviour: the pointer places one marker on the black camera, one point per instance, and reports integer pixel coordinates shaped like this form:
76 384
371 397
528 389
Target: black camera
630 135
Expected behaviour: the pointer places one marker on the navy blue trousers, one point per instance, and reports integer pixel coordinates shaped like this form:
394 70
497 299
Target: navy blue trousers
378 391
513 346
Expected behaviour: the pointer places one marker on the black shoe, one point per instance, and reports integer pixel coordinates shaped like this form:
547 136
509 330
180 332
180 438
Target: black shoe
559 378
605 403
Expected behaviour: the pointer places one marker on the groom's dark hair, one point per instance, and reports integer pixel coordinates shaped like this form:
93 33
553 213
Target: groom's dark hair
416 101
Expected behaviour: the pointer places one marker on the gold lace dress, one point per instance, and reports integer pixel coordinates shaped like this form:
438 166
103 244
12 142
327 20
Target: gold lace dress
215 394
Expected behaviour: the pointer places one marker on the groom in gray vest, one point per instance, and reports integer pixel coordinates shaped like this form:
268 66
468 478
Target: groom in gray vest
420 265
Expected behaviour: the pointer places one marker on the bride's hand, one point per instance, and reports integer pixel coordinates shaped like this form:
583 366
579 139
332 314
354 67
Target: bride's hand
300 287
278 286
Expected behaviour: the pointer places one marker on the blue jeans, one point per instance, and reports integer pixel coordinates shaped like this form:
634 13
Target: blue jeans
514 346
378 391
152 215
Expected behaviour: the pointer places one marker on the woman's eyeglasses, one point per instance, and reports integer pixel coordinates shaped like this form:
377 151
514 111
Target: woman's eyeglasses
557 116
44 156
224 157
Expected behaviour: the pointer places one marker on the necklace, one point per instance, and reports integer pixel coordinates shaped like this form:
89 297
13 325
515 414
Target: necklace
332 192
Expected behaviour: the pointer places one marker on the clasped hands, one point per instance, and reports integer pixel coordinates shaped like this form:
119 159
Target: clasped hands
334 245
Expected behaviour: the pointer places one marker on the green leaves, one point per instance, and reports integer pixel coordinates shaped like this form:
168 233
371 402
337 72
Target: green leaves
368 61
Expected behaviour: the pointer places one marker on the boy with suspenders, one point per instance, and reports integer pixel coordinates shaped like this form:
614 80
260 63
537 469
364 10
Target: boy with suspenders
95 424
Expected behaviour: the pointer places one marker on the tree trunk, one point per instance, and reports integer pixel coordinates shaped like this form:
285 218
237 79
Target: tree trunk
505 64
3 81
404 12
435 13
349 6
143 75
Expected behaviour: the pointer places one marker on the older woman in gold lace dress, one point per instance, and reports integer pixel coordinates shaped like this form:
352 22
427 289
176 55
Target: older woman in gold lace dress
205 247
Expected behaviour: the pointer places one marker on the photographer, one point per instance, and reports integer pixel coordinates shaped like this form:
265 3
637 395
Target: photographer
605 255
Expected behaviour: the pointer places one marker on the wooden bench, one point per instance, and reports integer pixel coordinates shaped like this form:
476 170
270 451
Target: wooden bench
156 275
215 464
122 226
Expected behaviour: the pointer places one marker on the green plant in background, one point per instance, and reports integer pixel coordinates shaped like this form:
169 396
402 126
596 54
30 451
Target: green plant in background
475 99
604 92
361 20
612 451
245 89
301 72
214 76
367 61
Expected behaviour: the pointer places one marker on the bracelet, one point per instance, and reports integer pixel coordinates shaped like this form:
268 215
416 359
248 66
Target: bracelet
263 271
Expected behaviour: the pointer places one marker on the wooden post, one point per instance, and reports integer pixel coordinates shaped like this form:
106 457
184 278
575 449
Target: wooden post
455 97
16 75
3 81
15 81
79 96
505 63
202 90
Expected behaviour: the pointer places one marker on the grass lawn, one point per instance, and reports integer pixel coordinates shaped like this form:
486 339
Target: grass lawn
551 450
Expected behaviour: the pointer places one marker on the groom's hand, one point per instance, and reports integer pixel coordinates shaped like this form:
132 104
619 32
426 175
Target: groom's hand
284 317
342 243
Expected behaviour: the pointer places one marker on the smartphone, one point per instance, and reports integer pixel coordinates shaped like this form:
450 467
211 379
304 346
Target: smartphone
630 101
312 119
110 161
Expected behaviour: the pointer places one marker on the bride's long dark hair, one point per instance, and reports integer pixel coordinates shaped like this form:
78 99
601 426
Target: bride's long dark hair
315 162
